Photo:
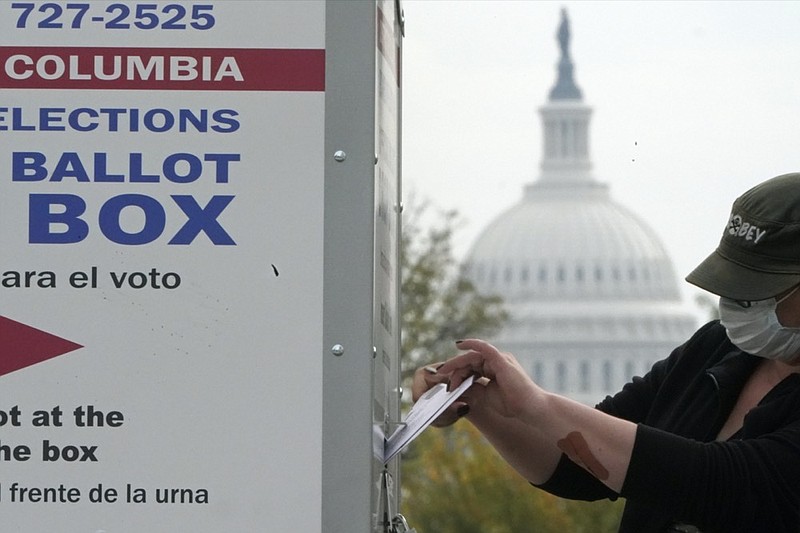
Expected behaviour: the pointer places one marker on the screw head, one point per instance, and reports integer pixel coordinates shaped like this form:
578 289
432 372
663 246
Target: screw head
337 350
339 155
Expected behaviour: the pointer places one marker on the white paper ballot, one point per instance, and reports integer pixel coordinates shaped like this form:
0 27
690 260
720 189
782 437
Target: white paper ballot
429 406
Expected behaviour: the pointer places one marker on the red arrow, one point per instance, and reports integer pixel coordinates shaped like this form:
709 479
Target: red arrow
22 345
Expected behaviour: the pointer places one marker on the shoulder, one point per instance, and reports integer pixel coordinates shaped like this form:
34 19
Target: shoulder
705 348
684 368
710 334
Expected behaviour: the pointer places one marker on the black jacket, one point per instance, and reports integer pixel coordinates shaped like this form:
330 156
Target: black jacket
678 472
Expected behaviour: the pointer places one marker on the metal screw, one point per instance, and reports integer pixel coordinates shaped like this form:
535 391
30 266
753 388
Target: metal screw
337 350
339 155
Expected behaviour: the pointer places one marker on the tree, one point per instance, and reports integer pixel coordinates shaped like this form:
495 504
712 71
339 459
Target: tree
456 482
439 304
453 481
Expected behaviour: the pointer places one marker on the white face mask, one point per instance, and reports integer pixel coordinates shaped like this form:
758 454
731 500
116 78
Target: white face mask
757 330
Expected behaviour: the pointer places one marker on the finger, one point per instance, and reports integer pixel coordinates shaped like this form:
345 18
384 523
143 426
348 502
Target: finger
424 380
461 367
474 395
472 362
477 345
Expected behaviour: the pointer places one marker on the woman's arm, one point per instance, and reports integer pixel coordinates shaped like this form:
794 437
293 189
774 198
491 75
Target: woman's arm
531 427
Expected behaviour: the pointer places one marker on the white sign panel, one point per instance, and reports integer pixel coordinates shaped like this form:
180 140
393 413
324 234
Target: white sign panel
161 210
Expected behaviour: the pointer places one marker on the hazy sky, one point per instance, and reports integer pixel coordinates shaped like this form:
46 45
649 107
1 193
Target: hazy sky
694 102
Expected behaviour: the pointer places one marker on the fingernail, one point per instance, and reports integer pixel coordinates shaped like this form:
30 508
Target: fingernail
462 411
459 341
431 370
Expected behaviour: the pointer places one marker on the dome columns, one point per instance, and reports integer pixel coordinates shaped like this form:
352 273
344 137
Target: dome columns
565 142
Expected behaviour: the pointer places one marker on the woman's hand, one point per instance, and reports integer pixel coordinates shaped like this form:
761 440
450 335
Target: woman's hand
427 377
508 390
528 426
501 386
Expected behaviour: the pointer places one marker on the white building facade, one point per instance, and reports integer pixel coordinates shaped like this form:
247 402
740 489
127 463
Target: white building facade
592 294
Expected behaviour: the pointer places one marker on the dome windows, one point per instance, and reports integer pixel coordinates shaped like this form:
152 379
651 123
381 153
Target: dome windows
557 278
561 274
543 274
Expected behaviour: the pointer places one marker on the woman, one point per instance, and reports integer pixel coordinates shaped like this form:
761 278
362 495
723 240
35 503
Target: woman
709 439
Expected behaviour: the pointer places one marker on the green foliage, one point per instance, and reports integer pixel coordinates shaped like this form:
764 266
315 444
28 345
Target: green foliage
455 482
452 480
439 304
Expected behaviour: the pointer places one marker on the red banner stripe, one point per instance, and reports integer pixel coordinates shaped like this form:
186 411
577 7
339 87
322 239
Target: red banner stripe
162 69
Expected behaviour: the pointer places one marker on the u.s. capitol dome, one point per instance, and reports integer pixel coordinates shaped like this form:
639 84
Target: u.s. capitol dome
591 292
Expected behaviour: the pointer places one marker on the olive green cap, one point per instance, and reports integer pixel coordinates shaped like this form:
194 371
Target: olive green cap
758 256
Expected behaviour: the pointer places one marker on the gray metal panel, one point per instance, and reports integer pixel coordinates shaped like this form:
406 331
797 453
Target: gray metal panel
386 306
347 473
